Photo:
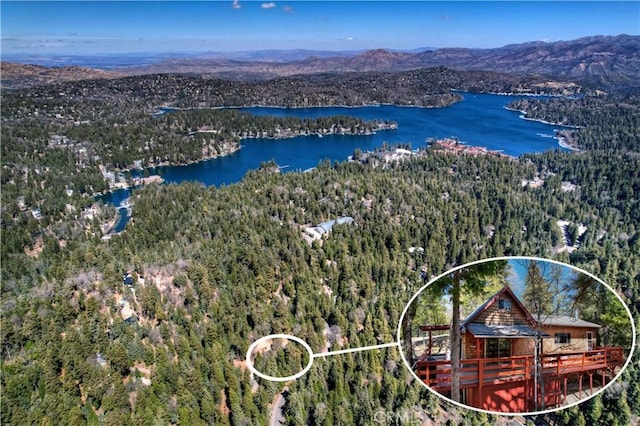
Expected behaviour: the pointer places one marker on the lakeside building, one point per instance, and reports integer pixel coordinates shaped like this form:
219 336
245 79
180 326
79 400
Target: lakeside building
456 147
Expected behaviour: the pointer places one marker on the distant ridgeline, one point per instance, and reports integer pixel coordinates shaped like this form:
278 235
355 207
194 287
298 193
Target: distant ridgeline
609 62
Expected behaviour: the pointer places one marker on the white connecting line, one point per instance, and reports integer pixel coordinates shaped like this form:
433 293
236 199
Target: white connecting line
364 348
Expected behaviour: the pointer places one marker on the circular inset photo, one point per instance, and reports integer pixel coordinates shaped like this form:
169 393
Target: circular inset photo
516 335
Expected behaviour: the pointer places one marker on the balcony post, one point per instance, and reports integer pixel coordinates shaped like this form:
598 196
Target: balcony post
480 396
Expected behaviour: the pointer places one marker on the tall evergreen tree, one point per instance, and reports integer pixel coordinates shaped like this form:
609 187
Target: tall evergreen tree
470 279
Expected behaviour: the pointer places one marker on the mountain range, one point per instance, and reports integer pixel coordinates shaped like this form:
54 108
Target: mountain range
602 60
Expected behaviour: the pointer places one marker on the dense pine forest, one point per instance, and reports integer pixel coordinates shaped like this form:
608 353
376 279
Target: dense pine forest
210 270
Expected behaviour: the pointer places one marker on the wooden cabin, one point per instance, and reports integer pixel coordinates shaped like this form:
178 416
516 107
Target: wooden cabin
500 327
498 358
569 334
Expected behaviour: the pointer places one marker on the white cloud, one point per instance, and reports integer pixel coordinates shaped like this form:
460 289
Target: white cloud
270 5
236 4
287 9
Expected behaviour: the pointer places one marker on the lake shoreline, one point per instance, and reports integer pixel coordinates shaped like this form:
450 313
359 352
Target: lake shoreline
161 110
481 121
564 141
166 109
338 132
564 137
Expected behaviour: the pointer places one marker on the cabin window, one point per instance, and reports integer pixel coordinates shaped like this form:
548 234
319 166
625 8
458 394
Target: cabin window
563 338
497 348
504 304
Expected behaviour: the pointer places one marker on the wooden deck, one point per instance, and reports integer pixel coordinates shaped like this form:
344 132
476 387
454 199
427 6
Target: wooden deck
481 372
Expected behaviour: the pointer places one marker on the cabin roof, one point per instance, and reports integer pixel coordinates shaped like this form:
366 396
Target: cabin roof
326 226
504 291
503 331
482 330
567 321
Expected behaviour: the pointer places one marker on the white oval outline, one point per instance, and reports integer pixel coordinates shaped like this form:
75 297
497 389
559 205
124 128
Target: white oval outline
527 413
274 378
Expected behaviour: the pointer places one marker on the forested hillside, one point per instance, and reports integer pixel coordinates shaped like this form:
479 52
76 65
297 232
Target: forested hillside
214 269
219 268
605 122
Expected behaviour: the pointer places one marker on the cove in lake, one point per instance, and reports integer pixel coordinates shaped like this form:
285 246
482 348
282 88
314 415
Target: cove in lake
480 119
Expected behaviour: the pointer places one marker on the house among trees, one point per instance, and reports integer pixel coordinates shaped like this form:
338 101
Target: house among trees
513 362
324 228
127 279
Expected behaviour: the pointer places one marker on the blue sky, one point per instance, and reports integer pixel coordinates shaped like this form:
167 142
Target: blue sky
97 27
518 273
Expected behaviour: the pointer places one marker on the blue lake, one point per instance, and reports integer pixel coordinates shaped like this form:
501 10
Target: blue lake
480 119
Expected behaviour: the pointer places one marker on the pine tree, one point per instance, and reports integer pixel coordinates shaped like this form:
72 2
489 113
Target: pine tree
471 279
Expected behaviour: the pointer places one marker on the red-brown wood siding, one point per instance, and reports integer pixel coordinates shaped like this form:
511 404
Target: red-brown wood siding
578 342
492 315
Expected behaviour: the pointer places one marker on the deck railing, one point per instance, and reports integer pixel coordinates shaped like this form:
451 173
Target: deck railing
486 371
